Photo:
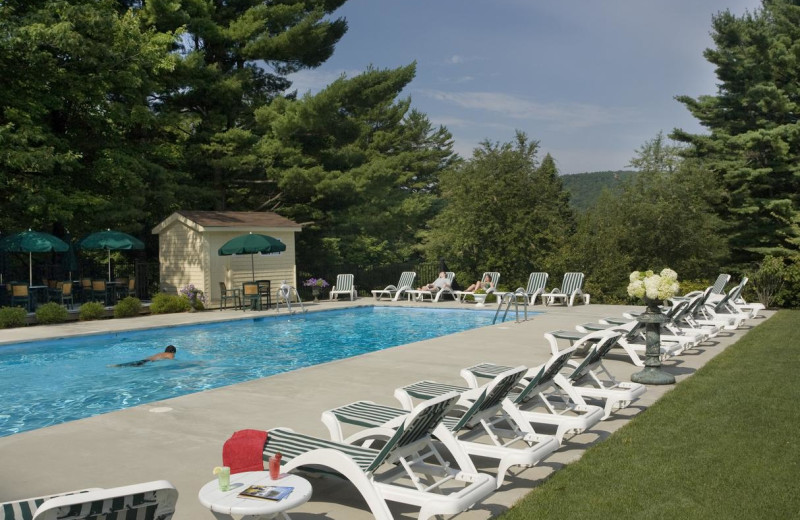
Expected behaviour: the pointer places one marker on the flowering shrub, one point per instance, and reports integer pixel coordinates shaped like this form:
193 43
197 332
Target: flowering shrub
654 286
316 282
196 297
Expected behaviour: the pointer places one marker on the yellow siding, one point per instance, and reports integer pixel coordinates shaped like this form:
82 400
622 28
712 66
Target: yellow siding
181 255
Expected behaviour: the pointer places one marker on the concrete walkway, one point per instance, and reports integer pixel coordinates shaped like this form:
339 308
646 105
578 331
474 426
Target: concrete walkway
181 439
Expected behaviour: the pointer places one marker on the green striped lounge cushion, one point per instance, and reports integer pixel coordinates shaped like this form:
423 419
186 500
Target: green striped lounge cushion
139 506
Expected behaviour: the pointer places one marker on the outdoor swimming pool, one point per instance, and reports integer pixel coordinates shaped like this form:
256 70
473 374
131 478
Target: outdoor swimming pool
50 382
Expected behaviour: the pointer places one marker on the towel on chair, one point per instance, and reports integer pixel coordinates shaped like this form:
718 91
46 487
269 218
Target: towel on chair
243 451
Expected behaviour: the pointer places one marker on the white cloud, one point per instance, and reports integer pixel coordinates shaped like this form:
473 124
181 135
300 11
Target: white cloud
455 58
576 115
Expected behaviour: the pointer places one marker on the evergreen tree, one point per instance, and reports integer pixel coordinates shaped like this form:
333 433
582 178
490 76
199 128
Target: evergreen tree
504 212
754 144
235 59
663 217
80 145
354 163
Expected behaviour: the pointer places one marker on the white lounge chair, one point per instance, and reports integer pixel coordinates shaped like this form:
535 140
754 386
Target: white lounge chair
568 412
571 288
344 285
515 445
392 473
148 501
394 292
494 276
537 283
601 383
434 295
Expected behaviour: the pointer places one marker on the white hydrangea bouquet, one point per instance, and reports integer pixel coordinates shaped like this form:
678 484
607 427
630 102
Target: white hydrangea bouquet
655 287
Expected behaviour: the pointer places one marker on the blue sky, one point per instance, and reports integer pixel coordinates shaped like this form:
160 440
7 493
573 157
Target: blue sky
591 80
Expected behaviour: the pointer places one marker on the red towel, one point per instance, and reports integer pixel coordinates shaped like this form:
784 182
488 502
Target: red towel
243 451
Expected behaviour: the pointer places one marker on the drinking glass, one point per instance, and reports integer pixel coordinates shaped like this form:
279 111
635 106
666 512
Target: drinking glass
224 478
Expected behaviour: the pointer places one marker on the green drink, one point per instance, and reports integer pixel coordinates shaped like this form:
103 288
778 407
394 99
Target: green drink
223 474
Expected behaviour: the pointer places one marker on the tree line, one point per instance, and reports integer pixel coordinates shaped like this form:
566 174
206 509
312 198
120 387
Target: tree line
115 113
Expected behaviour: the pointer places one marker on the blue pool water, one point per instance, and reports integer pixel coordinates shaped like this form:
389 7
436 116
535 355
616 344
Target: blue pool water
51 382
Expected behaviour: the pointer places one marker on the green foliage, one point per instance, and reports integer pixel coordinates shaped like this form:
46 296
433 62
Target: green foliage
91 311
688 286
12 317
585 188
355 163
164 303
768 279
128 307
789 296
662 218
51 312
504 212
753 146
81 144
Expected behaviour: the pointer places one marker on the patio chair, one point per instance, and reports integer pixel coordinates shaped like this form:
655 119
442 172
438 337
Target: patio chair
99 291
265 292
121 287
226 294
720 283
344 285
518 445
86 289
20 294
494 276
537 283
63 293
435 295
148 501
615 395
394 292
559 404
571 287
251 297
407 468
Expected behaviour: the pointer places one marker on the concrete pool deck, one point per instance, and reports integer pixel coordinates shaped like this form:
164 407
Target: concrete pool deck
181 439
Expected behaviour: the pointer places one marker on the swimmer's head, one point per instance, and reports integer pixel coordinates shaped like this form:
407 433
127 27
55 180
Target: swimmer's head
171 349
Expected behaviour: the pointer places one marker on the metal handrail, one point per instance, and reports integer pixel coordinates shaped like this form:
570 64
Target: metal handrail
284 293
512 297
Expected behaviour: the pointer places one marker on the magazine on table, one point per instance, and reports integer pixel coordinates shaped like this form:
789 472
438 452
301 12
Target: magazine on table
267 492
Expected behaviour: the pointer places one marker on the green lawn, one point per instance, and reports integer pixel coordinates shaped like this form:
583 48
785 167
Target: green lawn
723 444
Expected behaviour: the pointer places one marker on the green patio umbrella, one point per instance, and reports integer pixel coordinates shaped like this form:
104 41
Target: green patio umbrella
251 244
32 242
69 260
110 241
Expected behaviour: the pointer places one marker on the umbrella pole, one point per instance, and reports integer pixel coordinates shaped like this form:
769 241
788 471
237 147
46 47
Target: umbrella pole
109 265
30 269
252 267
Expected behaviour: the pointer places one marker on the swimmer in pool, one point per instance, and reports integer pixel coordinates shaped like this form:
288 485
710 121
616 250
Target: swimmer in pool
169 353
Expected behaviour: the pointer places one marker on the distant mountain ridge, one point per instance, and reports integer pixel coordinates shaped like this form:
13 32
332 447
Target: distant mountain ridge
585 188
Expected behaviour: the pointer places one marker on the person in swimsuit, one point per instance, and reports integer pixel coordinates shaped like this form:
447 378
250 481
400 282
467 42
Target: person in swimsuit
486 284
438 284
169 353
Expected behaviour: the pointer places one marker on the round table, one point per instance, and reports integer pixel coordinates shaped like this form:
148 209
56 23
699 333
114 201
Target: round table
226 504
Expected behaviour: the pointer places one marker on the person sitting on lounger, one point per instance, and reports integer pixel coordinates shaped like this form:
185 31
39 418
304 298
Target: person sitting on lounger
169 353
438 284
486 284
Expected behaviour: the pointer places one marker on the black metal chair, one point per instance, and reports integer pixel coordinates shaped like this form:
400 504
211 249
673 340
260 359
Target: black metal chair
226 294
264 292
20 293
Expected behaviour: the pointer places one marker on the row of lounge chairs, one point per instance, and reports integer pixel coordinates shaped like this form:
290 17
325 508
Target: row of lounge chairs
571 289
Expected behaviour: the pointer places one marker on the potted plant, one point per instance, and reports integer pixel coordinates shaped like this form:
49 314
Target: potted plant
316 284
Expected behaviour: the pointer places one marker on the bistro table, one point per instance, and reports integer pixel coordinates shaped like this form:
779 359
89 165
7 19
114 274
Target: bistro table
225 504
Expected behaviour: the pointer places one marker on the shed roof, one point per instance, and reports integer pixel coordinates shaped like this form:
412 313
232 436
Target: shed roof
229 220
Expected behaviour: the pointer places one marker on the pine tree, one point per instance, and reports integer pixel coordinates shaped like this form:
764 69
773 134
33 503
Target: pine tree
356 163
754 144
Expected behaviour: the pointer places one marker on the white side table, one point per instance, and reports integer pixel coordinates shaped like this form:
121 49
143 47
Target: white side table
225 504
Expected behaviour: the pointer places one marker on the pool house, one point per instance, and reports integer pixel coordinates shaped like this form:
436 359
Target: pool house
189 241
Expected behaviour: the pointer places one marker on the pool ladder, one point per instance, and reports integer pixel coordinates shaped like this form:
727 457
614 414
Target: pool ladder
284 293
510 298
